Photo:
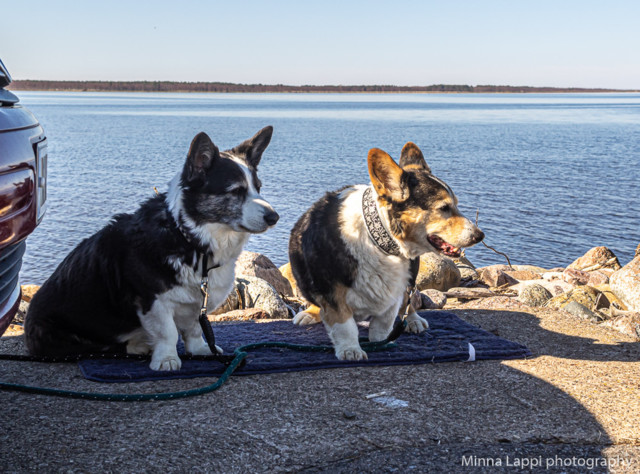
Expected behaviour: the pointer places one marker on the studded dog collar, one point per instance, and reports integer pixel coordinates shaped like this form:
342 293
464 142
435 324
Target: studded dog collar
380 236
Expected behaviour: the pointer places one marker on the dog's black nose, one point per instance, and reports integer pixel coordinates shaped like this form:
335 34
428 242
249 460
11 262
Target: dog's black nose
271 217
478 236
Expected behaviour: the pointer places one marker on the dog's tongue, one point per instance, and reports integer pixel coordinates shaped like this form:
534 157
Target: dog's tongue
445 247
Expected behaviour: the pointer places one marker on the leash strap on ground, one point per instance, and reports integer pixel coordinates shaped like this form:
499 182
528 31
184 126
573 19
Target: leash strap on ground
239 356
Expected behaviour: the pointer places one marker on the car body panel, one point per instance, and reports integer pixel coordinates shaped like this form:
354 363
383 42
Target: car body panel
23 181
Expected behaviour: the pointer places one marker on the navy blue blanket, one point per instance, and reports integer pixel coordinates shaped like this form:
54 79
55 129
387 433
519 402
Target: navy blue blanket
448 339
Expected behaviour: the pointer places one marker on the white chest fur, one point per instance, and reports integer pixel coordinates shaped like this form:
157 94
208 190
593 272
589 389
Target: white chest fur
381 279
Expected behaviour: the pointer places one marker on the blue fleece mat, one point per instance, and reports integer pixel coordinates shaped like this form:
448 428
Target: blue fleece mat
448 339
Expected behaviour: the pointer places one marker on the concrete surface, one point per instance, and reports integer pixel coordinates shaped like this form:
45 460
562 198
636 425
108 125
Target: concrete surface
575 405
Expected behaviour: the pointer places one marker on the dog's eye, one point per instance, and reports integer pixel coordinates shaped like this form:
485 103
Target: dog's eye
445 208
236 189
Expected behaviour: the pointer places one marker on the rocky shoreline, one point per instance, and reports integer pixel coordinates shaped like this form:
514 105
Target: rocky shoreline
595 287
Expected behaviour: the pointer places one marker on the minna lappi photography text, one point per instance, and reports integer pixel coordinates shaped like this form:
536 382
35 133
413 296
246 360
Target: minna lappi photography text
548 463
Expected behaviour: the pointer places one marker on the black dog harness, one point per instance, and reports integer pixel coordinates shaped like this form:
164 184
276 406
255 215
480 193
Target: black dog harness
385 242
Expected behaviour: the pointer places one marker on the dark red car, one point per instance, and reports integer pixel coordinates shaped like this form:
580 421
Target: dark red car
23 191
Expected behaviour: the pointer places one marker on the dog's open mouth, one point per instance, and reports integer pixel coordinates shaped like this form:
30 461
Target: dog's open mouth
444 247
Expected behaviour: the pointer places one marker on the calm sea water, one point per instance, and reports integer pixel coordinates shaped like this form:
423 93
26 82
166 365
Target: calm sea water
551 175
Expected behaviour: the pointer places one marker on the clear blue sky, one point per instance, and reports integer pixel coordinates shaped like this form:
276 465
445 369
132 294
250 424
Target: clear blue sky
564 43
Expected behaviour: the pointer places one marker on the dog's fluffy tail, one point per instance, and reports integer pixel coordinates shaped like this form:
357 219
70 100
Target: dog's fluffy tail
50 341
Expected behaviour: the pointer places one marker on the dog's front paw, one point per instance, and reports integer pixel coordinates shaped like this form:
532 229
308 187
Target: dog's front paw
200 350
305 319
416 324
351 353
169 362
197 346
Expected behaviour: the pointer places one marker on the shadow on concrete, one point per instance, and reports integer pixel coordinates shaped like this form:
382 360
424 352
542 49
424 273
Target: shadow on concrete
486 413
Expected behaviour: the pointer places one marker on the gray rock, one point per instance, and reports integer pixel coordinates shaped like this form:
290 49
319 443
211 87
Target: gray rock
467 270
258 293
581 311
625 284
437 273
257 265
534 295
433 299
232 303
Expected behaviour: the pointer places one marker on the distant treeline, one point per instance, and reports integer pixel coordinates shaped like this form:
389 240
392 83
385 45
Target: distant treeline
168 86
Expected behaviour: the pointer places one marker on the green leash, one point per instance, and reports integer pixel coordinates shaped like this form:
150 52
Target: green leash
240 354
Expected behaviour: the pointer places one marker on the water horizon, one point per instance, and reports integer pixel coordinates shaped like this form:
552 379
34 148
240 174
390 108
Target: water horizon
551 174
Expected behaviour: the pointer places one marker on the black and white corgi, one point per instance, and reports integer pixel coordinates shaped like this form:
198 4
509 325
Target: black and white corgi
135 284
351 252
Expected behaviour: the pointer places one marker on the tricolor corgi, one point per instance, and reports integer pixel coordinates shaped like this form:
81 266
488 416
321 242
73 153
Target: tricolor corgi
351 252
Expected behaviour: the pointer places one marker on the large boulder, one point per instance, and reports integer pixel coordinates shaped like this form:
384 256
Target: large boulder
258 293
595 259
257 265
437 273
625 283
253 292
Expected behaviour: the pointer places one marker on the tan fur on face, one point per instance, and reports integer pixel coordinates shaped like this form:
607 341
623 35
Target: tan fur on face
452 230
417 224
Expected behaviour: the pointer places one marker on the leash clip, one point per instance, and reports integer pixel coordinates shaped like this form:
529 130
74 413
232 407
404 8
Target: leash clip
204 284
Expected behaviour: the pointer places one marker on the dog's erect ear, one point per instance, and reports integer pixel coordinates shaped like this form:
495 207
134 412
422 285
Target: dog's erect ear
386 176
202 154
412 157
253 148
